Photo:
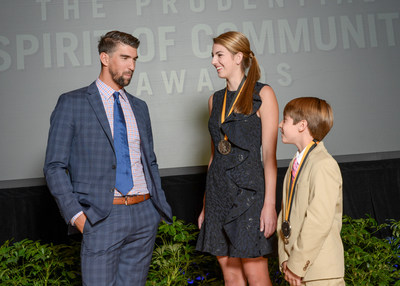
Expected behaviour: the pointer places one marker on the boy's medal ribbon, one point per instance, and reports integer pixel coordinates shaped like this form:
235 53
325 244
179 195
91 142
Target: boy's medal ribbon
286 229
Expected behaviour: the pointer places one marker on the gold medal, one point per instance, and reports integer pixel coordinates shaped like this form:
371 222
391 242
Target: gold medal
286 229
224 147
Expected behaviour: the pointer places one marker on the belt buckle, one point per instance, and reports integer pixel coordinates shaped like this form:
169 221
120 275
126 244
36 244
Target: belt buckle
126 200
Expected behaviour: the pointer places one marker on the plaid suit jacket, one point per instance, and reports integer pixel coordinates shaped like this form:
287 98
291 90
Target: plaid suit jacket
80 162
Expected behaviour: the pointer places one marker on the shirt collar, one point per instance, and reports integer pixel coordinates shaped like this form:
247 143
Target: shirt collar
299 155
106 91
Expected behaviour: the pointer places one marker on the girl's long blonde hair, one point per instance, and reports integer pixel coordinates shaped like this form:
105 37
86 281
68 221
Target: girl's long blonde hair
236 42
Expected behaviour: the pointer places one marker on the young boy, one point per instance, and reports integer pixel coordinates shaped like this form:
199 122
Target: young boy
310 247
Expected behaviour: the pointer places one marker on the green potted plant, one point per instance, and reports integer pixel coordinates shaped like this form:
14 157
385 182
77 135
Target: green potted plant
175 260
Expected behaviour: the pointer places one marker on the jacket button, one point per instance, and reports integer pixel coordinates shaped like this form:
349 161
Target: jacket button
113 167
240 157
112 190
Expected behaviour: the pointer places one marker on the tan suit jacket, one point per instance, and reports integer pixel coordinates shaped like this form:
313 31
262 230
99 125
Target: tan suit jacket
314 250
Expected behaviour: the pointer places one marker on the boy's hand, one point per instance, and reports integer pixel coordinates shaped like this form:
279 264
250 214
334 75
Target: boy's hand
268 220
290 277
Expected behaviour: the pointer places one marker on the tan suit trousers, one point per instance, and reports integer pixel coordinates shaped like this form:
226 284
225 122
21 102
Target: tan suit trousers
325 282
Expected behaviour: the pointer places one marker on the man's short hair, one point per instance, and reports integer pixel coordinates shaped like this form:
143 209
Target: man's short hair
317 112
109 41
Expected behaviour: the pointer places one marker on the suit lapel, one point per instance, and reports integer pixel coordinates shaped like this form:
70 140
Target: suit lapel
139 117
95 101
141 123
286 181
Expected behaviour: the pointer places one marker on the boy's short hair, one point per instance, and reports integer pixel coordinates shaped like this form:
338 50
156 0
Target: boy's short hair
317 112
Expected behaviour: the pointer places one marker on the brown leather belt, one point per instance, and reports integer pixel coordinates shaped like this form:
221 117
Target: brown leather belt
130 200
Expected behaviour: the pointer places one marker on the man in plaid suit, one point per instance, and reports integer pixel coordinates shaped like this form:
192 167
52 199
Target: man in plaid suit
118 228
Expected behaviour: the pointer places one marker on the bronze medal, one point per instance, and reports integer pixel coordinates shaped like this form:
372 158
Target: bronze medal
286 229
224 147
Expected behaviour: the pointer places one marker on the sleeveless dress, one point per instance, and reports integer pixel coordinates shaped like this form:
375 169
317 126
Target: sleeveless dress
235 185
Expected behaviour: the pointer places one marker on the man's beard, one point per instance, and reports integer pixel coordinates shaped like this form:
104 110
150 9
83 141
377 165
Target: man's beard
120 80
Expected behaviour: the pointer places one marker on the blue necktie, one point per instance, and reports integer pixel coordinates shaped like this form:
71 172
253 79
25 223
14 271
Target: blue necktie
124 181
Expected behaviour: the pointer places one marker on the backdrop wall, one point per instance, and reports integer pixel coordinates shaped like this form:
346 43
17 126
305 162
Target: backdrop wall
346 51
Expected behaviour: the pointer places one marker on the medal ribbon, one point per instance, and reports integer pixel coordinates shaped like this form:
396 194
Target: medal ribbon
292 182
236 96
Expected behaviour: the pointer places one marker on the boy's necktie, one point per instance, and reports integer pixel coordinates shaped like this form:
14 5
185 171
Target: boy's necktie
124 181
295 166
